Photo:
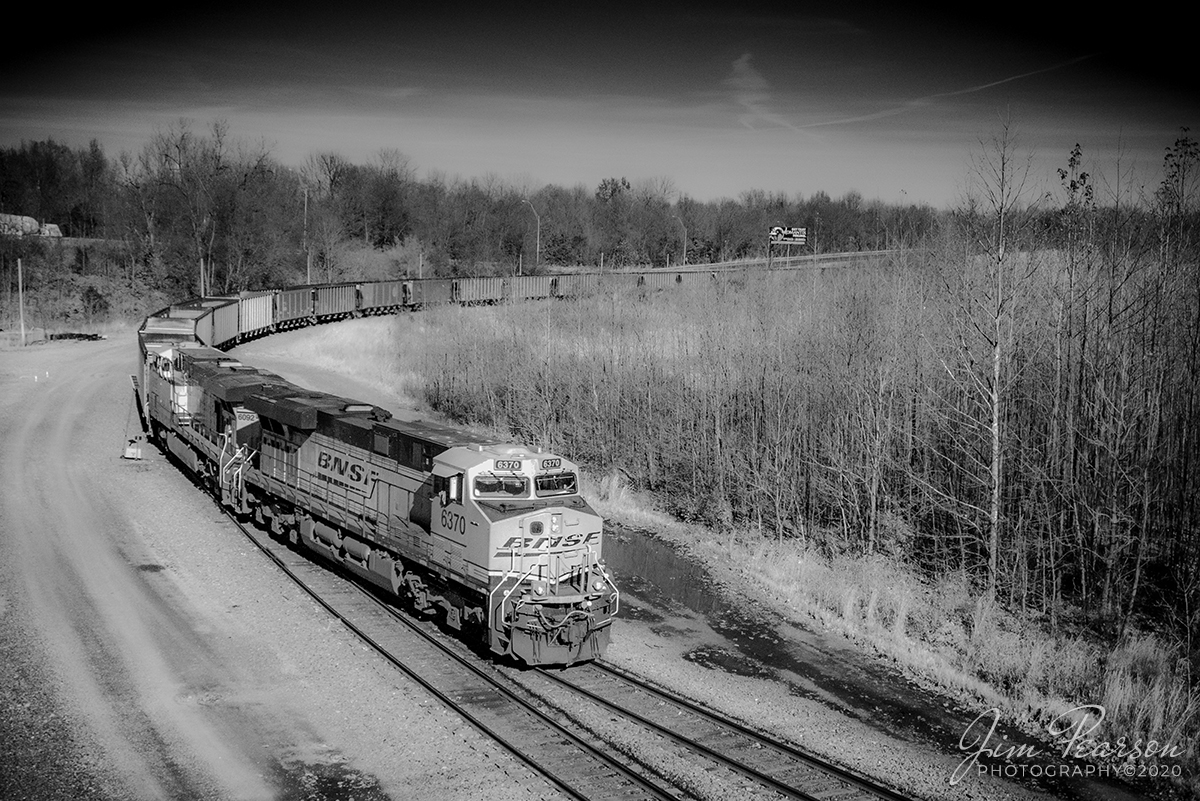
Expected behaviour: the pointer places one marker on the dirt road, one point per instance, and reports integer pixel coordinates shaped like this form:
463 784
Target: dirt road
149 653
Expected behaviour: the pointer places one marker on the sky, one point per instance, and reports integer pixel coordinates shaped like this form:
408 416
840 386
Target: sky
891 102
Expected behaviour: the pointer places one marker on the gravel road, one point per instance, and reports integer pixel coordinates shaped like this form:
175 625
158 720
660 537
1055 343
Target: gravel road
151 654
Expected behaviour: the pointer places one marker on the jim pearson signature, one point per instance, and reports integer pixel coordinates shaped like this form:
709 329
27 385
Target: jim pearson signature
1070 733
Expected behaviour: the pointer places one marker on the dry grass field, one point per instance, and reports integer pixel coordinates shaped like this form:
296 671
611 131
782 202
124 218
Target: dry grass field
763 431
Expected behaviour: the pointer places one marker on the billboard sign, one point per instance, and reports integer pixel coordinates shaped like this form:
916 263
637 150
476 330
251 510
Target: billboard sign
780 235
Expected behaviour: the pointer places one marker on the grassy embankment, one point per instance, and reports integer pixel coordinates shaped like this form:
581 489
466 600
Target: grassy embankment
627 388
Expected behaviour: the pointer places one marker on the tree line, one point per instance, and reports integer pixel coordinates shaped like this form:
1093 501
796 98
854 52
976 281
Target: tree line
199 211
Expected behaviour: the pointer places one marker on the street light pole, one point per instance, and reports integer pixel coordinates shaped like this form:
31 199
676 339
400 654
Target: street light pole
537 252
307 252
684 227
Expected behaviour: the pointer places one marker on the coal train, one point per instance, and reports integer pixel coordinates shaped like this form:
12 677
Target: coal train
222 322
492 538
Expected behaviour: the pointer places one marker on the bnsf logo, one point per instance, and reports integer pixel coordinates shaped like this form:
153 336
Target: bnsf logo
341 470
538 543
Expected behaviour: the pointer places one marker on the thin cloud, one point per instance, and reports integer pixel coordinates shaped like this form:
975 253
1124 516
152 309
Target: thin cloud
921 102
752 92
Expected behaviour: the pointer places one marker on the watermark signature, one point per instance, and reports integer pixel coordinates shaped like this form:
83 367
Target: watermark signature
990 753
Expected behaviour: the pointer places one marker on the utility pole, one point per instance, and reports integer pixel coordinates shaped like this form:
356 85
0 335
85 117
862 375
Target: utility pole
537 253
684 227
21 299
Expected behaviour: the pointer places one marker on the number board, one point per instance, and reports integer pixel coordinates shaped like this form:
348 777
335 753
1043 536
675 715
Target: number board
508 464
788 236
551 464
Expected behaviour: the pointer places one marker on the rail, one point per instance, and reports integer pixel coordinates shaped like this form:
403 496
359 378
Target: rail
570 763
780 766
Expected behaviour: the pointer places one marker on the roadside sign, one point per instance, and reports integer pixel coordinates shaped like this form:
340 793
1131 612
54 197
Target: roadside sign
780 235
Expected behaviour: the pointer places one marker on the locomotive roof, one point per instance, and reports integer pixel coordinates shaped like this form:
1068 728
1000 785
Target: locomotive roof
335 406
193 356
308 410
236 387
227 378
481 451
436 433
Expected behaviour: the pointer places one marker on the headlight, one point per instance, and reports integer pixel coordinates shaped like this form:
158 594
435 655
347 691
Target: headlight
539 588
598 585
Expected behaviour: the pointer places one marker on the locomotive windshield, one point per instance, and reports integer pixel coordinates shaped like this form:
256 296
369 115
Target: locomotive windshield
556 484
490 486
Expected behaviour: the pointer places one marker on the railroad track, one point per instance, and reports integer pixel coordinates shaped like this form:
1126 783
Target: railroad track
513 707
577 768
784 769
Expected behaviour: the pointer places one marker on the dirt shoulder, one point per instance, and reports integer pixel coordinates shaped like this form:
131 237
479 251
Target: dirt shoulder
753 656
151 653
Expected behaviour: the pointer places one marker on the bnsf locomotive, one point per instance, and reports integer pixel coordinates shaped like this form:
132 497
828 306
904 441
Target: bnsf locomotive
494 537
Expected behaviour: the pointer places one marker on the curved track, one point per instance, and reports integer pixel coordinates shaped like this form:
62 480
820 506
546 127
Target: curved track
507 705
576 768
781 767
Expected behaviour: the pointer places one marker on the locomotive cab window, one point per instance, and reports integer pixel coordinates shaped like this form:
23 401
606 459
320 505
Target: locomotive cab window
556 484
492 486
449 488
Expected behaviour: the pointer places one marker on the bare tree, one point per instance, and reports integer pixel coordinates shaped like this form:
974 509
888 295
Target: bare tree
984 292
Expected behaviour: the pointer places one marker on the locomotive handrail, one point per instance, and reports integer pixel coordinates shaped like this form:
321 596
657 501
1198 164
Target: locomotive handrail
232 463
616 593
498 609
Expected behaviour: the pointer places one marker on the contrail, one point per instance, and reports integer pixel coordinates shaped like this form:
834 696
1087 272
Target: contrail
1013 78
924 101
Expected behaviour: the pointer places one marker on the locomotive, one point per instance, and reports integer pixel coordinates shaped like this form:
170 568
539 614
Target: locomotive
491 537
